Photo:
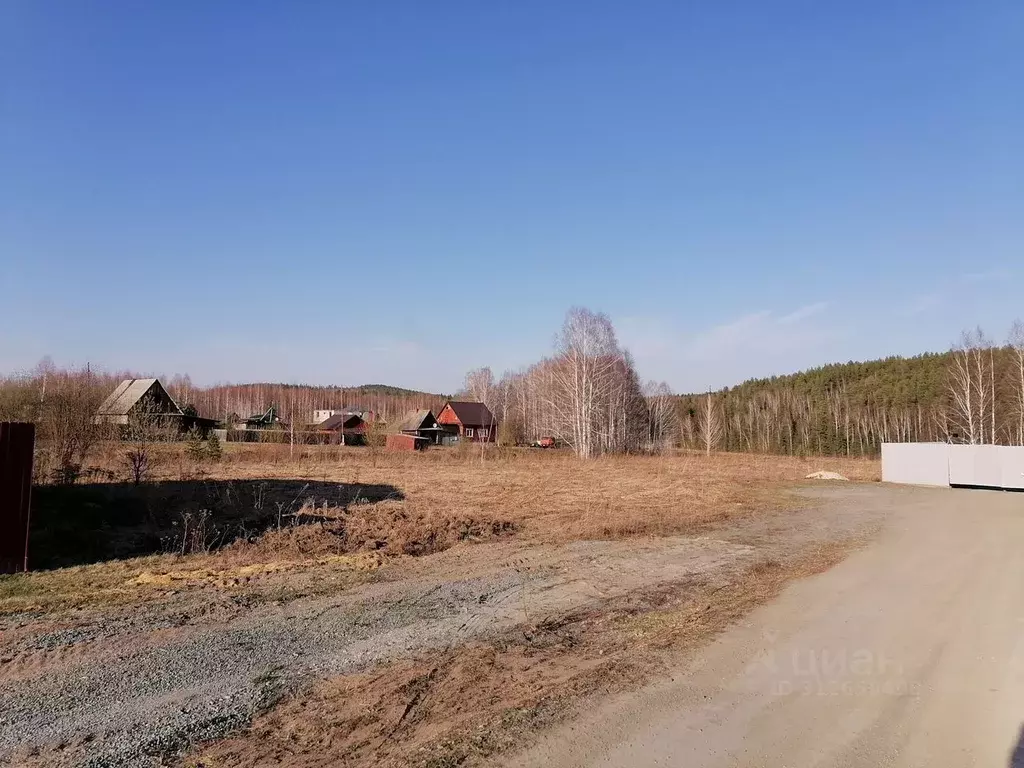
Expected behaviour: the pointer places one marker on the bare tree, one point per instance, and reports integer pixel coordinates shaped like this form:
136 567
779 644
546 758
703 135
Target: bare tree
509 429
66 419
969 385
992 391
710 424
1016 342
961 387
581 379
662 417
479 387
375 436
146 427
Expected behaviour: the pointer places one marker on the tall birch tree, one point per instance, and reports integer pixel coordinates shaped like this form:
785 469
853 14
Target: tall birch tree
710 424
1016 343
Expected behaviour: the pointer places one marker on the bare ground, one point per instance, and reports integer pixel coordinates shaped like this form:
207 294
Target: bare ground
440 660
908 653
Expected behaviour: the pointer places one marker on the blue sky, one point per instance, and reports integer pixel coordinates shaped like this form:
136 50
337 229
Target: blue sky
400 191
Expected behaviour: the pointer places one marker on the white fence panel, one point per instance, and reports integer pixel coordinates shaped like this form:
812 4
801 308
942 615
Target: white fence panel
975 465
979 466
915 463
1011 457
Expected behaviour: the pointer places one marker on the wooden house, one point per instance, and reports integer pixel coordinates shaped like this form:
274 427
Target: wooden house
267 420
463 420
422 423
145 400
344 428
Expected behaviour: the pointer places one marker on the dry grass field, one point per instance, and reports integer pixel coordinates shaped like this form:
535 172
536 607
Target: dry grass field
578 578
548 494
552 495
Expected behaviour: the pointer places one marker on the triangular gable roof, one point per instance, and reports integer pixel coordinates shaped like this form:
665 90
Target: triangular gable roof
265 418
343 421
128 393
471 414
414 420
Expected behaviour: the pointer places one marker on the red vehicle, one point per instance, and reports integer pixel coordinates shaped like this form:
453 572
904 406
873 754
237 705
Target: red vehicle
545 442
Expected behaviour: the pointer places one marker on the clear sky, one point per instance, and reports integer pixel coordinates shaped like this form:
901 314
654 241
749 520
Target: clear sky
350 192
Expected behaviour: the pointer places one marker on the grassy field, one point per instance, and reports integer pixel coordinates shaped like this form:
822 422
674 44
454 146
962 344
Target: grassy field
187 559
397 503
552 495
263 510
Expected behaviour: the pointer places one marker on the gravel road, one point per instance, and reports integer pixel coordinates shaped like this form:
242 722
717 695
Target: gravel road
909 653
132 687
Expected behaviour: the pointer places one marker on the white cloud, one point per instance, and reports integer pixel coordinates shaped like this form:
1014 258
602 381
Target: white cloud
728 338
760 343
759 335
803 313
953 287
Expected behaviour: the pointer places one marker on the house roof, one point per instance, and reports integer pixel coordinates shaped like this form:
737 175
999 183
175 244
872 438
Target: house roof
264 418
127 394
414 420
472 414
342 421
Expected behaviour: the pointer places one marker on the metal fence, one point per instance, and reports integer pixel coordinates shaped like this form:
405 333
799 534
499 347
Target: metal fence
17 443
976 466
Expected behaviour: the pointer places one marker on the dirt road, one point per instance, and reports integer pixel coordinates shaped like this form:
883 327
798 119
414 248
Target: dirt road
133 686
909 653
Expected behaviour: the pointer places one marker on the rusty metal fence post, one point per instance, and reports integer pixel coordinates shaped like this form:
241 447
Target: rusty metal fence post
17 443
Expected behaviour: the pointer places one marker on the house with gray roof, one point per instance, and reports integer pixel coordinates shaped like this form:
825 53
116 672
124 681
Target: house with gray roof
146 398
422 424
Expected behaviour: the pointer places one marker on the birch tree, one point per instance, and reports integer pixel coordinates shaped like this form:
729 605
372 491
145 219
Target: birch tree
582 379
970 385
1016 343
661 411
479 386
710 424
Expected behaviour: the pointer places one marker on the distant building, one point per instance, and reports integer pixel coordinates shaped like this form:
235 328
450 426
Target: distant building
422 423
401 441
319 417
322 415
266 420
136 399
467 421
344 428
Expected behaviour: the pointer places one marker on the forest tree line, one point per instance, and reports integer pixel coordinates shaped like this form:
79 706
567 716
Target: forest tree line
295 403
588 395
973 393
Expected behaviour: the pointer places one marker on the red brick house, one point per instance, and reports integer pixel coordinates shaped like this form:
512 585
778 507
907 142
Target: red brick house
468 421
